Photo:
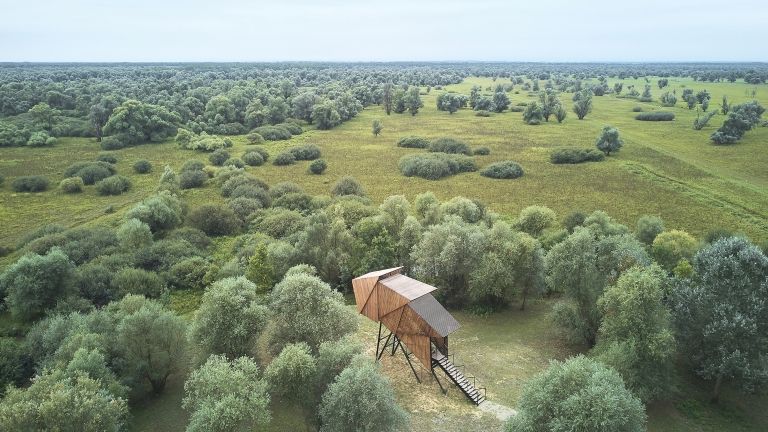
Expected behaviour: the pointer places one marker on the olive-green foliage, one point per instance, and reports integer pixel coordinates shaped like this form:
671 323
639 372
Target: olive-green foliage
291 373
218 157
138 281
152 340
333 357
244 207
609 140
574 156
413 142
670 247
635 335
230 318
361 400
33 183
310 312
254 138
450 145
71 185
15 364
305 152
35 283
273 133
189 179
169 181
656 116
722 314
468 210
214 220
582 103
90 172
134 234
533 114
434 166
535 219
142 166
59 401
347 185
502 170
579 391
137 122
189 273
741 119
234 162
253 158
161 212
107 157
278 222
648 227
113 185
284 158
226 396
318 166
571 269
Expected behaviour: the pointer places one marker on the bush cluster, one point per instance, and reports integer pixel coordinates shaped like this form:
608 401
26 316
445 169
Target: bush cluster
449 145
434 166
273 133
656 116
413 142
32 183
284 158
90 172
215 220
481 151
218 157
113 185
253 158
503 170
142 166
113 142
305 152
71 185
318 166
107 157
574 156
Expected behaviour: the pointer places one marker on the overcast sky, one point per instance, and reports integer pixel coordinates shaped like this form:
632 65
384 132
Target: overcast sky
385 30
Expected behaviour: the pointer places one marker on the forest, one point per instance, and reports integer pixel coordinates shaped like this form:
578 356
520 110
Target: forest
178 241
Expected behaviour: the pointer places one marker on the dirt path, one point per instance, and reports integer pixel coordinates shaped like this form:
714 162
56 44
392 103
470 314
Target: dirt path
500 411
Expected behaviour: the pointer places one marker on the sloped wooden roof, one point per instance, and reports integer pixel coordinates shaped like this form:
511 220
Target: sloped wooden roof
429 309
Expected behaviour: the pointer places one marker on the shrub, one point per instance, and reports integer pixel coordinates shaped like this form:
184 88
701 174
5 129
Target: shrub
253 158
484 113
192 165
449 145
284 188
112 143
235 162
656 116
702 121
293 128
435 165
142 166
229 186
261 151
137 281
533 114
244 207
202 142
574 156
318 166
637 109
32 183
90 172
218 157
71 185
481 151
305 152
107 157
284 158
215 220
1 179
273 133
515 109
192 179
161 212
347 185
413 142
114 185
503 170
40 139
254 138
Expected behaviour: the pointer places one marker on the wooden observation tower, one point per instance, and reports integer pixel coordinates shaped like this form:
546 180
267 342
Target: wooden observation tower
415 322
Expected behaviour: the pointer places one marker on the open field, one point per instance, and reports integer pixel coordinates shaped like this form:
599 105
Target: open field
665 168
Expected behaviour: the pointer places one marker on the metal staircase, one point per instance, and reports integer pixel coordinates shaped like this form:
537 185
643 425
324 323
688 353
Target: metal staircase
468 385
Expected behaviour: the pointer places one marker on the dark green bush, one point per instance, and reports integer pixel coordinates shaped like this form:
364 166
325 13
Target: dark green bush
318 166
434 166
261 151
252 191
481 151
637 109
413 142
234 182
253 158
305 152
449 145
254 138
347 185
503 170
273 133
574 156
215 220
1 179
112 143
142 166
517 108
192 165
192 235
284 188
71 185
483 113
298 201
138 281
656 116
293 128
90 172
218 157
107 157
284 158
235 162
114 185
190 179
32 183
244 207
